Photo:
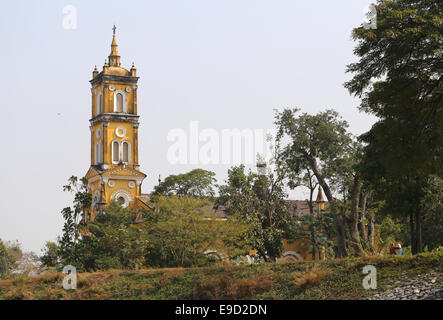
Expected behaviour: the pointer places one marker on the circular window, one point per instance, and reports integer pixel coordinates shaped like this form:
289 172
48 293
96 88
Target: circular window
131 184
120 132
122 198
111 183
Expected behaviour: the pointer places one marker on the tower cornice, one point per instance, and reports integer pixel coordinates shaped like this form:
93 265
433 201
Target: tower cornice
101 77
106 117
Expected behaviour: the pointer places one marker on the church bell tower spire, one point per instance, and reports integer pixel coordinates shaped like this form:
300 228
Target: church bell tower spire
114 57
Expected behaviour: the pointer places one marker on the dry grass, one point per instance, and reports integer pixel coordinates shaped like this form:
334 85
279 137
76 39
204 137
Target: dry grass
22 287
226 287
334 279
310 277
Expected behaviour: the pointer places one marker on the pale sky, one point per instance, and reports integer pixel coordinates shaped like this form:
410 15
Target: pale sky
226 64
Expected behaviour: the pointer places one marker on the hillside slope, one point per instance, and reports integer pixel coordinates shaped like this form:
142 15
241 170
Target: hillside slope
333 279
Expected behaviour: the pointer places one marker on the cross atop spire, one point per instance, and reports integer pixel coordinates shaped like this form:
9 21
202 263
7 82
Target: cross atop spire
114 57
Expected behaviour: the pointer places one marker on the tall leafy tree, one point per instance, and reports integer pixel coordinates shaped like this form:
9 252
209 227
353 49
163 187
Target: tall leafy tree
399 78
259 198
320 143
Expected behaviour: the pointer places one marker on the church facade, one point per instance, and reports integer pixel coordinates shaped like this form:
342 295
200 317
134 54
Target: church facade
114 171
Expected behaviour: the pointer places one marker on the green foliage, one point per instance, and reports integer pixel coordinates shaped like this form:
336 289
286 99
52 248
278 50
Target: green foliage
114 241
389 232
433 219
49 257
71 229
196 183
399 78
181 229
260 200
7 259
176 233
323 136
320 143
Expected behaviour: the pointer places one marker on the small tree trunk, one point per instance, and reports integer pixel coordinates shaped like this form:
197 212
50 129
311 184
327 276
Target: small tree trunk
355 197
371 231
341 237
313 242
412 232
339 224
362 222
419 240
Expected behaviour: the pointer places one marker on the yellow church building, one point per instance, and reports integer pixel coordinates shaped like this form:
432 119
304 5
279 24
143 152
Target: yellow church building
114 172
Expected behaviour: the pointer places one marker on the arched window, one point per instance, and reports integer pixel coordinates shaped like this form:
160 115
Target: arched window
98 152
120 101
115 152
96 160
126 151
119 98
99 104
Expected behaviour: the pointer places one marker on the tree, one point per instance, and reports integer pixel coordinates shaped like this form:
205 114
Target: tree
259 198
196 183
7 259
114 241
322 144
50 254
433 219
399 78
181 229
71 229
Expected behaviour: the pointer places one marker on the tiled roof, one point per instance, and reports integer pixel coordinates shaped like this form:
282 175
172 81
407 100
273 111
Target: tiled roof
296 207
145 197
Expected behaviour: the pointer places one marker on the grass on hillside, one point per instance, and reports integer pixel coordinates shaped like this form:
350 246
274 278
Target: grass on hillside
332 279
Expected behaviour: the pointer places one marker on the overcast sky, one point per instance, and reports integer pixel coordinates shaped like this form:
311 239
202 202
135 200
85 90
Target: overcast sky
226 64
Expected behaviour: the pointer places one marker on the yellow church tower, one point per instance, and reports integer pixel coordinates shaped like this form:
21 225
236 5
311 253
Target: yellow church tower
114 173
